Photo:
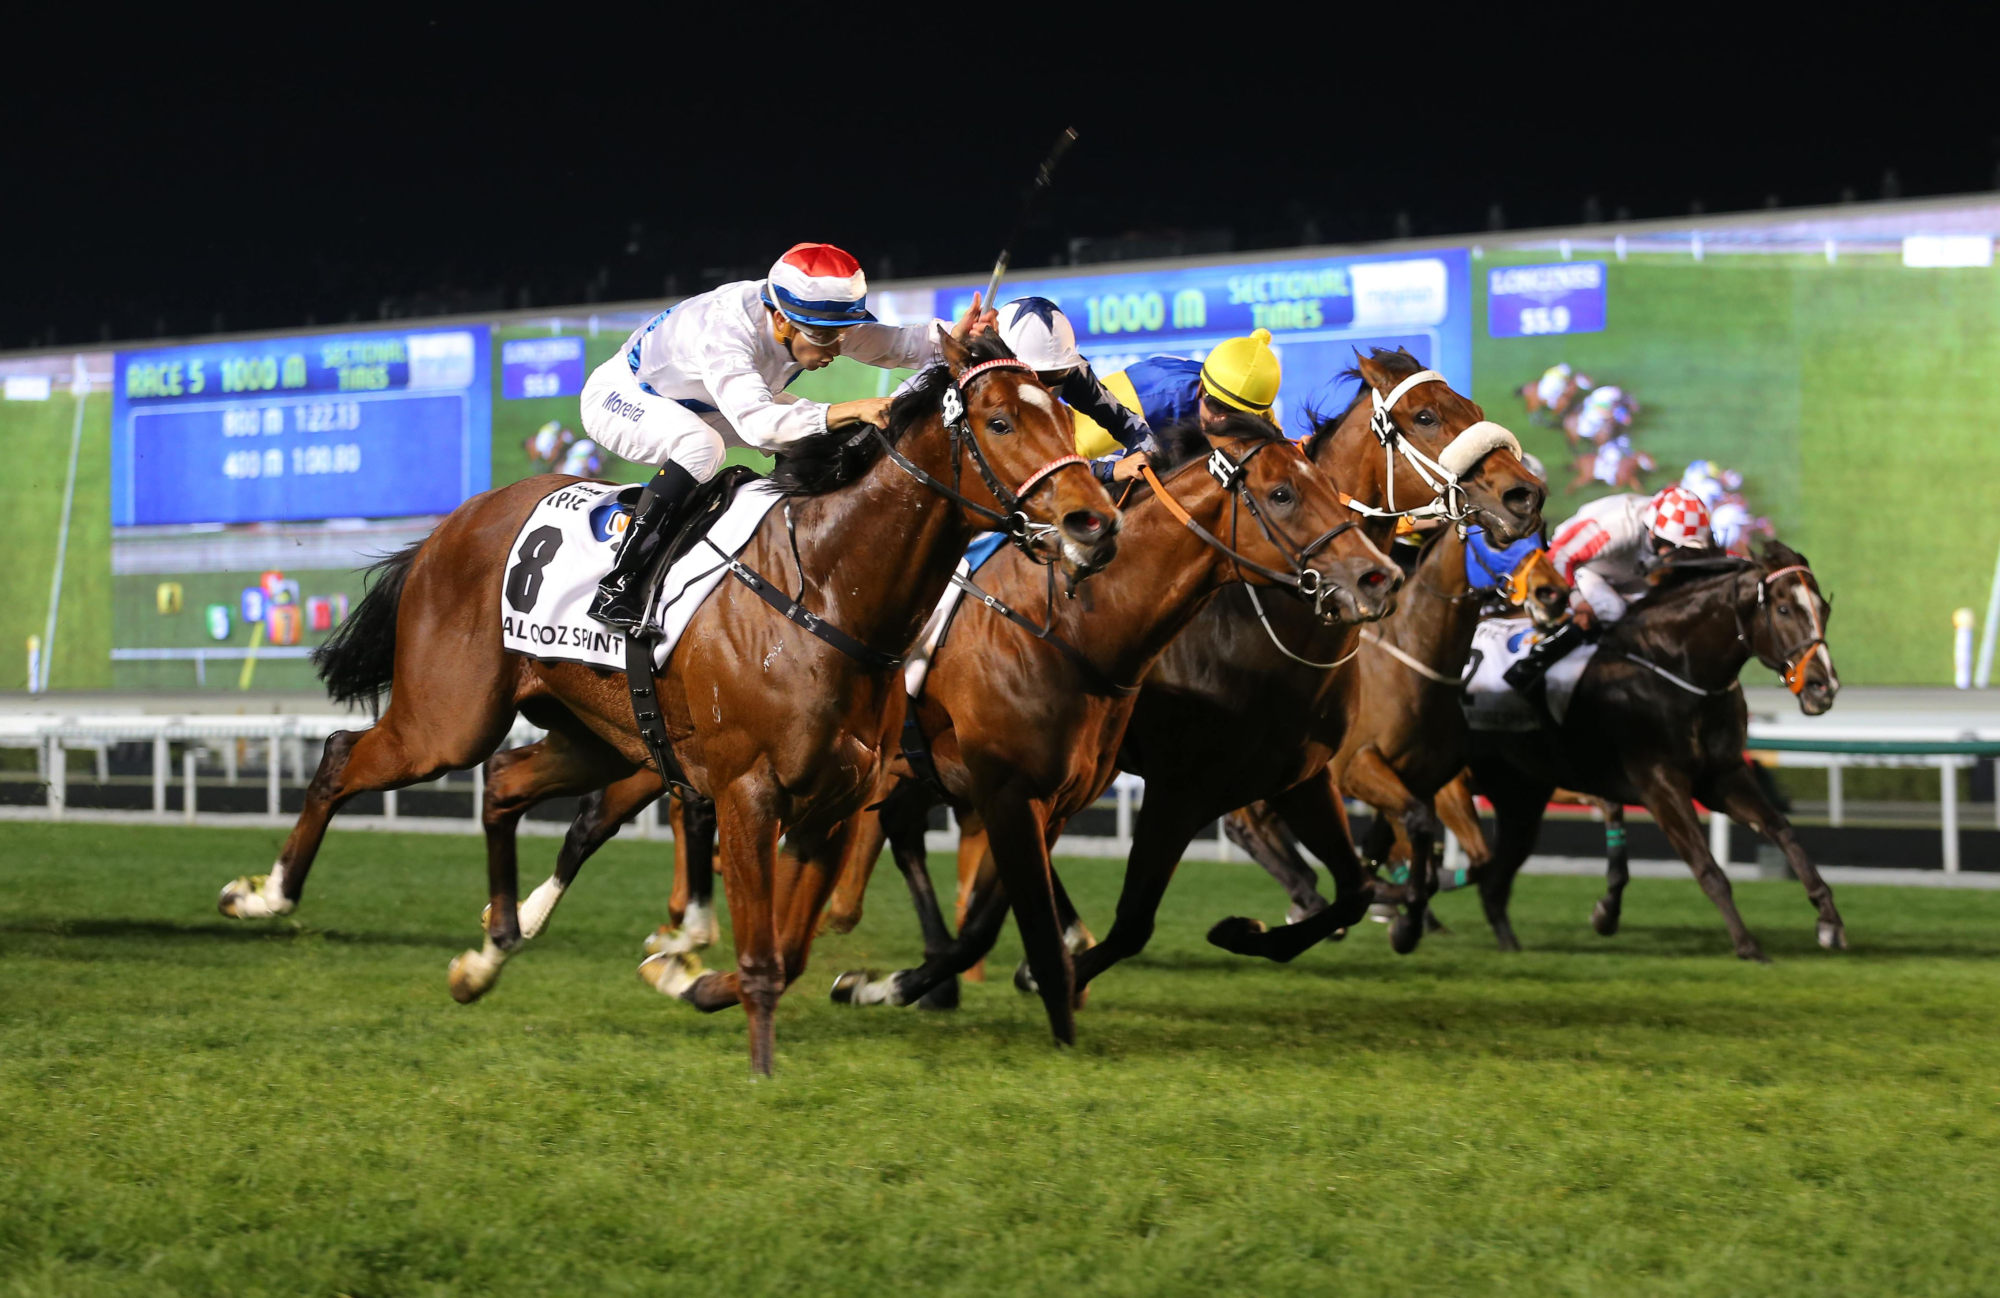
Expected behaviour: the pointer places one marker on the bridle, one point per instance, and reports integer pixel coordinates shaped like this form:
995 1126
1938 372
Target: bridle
1795 657
1307 582
1443 474
1011 518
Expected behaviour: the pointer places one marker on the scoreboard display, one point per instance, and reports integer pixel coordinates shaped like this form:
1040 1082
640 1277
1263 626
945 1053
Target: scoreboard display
1319 311
382 424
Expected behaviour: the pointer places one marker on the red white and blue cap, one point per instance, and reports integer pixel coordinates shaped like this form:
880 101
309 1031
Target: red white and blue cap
818 284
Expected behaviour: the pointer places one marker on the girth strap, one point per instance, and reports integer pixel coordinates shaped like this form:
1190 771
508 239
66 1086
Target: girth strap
646 711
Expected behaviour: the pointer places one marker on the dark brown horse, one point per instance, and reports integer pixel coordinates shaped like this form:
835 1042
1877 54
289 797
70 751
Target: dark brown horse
1021 732
1247 702
771 721
1405 738
1659 719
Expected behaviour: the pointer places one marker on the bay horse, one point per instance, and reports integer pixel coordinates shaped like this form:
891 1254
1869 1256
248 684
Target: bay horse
768 719
1659 719
1021 729
1405 739
1247 702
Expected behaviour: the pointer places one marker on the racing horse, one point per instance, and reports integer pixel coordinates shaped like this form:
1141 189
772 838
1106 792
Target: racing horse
1659 719
1405 738
766 716
1246 703
1019 726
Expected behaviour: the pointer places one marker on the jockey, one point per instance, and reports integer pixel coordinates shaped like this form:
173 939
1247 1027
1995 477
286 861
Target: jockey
712 370
1036 330
1604 410
1710 481
1606 552
1240 374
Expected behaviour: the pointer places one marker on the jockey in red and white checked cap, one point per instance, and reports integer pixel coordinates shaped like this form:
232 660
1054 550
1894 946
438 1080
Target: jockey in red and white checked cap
1609 546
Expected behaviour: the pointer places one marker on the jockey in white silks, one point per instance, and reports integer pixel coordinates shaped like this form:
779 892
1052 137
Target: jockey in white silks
1606 551
712 371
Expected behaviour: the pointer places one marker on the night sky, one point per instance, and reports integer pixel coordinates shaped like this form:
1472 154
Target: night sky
187 174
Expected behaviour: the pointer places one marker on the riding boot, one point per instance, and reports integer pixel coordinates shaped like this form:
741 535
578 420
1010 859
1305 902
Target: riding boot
1527 676
622 595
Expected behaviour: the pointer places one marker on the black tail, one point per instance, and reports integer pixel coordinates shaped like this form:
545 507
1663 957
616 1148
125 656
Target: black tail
359 659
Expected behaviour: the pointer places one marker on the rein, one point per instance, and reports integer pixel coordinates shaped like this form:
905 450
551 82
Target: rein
1011 517
1799 654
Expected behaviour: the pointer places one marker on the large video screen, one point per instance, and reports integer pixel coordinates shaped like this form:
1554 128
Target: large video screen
194 516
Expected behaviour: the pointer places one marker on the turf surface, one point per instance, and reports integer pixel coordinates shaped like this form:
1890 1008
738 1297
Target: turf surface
200 1106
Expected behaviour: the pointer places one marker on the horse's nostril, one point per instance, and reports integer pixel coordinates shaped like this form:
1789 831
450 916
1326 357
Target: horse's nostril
1521 501
1086 522
1373 579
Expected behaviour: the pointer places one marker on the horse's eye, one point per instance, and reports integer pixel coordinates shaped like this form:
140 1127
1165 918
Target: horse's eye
1426 418
1785 610
998 426
1281 495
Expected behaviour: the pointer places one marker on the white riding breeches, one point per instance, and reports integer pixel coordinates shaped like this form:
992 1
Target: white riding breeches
647 428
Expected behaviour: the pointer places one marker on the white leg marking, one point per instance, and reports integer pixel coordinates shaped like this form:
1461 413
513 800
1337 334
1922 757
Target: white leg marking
541 903
473 973
1077 939
878 991
699 924
670 975
257 896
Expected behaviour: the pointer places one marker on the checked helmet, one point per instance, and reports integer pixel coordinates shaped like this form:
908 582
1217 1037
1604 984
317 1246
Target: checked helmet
1678 517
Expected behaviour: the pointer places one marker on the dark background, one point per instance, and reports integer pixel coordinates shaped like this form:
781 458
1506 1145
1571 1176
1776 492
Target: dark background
194 173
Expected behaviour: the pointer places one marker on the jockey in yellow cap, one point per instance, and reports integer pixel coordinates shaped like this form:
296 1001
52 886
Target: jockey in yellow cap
1240 375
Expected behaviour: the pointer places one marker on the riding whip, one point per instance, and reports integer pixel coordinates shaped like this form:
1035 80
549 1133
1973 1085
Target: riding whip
1043 177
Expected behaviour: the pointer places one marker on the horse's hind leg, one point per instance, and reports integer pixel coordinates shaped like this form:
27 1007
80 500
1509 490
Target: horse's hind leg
388 755
517 779
1743 798
1617 872
1370 778
602 812
1258 831
1667 795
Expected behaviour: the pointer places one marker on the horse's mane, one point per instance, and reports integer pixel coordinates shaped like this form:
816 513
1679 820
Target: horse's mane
829 461
1180 444
1400 365
1682 576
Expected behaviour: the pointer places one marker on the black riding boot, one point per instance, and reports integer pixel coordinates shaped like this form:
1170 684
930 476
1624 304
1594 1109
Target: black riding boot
1526 676
622 595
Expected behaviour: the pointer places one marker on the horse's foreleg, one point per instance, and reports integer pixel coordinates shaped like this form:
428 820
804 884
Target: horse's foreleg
1460 815
982 910
974 863
1742 797
598 818
1166 825
1258 831
517 779
1519 804
1605 914
691 924
1369 777
904 817
1017 830
1670 799
1312 809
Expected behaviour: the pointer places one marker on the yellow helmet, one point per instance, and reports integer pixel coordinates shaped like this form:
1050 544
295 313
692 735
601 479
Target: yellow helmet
1242 373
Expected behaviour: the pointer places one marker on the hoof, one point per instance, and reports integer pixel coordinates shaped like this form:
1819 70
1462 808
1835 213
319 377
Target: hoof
671 975
944 996
1833 936
1753 953
865 987
255 896
668 940
1024 980
1077 939
1383 913
1604 918
472 974
850 982
1405 934
1238 935
1295 912
835 922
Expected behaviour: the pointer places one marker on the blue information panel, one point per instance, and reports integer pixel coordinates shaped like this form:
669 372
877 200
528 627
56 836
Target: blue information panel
541 367
388 424
1565 297
1319 310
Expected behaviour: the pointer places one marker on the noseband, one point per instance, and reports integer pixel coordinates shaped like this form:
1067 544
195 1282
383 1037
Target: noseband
1441 475
1308 582
1797 656
1012 516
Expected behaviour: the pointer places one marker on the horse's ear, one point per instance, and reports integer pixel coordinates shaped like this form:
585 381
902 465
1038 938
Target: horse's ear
1375 374
954 352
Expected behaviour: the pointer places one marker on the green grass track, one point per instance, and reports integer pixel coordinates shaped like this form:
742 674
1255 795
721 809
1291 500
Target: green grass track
197 1106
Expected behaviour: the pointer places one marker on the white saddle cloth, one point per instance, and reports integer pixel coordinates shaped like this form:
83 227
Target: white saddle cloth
1490 702
566 547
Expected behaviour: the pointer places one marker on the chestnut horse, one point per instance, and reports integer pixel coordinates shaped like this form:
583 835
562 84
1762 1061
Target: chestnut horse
772 722
1405 739
1022 730
1659 719
1247 702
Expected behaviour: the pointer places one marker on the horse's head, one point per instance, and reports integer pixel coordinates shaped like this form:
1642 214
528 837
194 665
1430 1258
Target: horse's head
1022 443
1522 573
1274 518
1788 626
1430 444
